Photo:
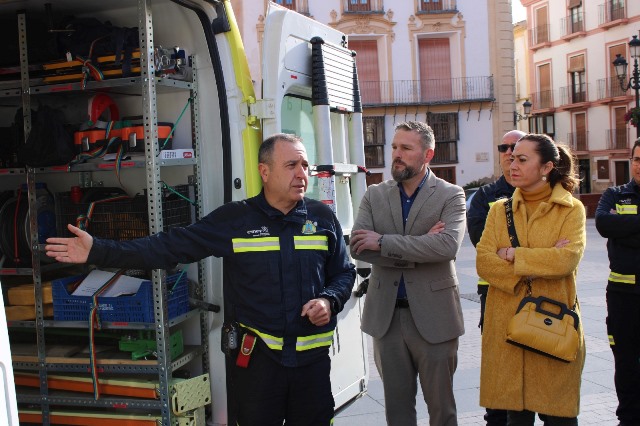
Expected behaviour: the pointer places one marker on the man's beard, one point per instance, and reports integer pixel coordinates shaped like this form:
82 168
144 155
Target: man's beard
402 175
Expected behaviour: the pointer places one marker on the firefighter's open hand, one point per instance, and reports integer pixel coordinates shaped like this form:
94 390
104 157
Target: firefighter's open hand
318 311
362 239
70 250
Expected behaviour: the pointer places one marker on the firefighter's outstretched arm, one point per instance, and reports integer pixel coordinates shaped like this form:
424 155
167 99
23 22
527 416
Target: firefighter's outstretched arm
70 250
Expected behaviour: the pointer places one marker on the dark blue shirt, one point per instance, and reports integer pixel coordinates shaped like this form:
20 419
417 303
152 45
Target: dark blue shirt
406 203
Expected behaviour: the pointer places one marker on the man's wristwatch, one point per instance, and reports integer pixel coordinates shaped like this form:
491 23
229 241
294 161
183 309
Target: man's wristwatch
380 241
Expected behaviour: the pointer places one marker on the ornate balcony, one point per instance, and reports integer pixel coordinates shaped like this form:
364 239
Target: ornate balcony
617 138
609 88
539 36
610 12
572 25
426 92
570 95
542 100
363 6
300 6
578 141
437 6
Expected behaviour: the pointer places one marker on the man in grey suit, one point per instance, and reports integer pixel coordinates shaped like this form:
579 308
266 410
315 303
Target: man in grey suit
410 230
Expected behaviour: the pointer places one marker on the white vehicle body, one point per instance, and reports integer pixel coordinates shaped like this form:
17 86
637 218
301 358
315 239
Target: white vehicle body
225 128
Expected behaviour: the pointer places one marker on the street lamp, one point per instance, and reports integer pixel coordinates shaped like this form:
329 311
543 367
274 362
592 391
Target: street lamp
527 110
620 65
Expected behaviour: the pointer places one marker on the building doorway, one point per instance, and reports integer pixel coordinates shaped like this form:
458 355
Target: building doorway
584 171
622 172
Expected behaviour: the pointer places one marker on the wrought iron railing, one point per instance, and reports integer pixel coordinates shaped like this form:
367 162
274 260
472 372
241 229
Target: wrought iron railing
573 95
572 24
611 11
437 6
426 92
539 35
578 141
300 6
445 153
609 88
617 138
363 6
542 100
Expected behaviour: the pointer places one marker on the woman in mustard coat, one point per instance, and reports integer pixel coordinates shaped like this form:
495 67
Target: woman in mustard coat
550 226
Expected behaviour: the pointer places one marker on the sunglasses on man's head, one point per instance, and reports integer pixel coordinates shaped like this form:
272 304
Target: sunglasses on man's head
505 147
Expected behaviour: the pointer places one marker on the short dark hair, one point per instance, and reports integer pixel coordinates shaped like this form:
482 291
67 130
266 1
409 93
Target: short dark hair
564 165
426 133
636 144
266 148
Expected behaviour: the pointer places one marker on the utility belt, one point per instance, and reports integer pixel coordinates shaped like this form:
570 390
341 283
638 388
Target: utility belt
239 341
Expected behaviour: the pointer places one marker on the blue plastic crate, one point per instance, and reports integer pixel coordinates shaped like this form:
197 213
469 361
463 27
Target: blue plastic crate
133 308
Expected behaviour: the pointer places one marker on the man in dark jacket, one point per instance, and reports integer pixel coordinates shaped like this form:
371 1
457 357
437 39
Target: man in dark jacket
481 202
617 220
287 276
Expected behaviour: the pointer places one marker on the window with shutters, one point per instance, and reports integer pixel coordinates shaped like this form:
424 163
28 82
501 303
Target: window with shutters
577 75
541 29
544 98
614 83
445 131
289 4
368 69
576 23
435 69
374 140
359 6
578 140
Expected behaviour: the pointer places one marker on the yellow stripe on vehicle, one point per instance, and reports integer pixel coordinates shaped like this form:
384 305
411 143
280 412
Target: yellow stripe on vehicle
243 245
622 278
311 242
626 209
314 341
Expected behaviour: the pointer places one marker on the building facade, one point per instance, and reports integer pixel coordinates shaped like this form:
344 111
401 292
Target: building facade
449 62
572 84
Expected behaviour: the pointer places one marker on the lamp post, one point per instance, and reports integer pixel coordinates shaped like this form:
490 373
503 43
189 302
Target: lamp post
620 65
526 105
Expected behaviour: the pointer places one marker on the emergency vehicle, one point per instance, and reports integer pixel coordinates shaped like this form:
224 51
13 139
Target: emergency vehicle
189 69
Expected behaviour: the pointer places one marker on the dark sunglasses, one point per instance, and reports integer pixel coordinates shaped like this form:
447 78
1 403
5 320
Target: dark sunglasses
505 147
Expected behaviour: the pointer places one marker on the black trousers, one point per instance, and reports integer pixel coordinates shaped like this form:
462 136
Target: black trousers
269 394
492 417
527 418
623 327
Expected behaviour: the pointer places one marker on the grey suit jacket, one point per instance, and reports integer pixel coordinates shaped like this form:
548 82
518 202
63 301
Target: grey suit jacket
427 261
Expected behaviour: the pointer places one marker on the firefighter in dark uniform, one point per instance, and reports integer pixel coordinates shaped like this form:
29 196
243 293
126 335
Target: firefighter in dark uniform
287 276
477 213
618 220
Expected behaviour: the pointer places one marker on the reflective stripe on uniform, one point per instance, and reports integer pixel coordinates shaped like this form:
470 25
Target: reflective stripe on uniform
311 242
622 278
482 282
314 341
241 245
303 343
491 203
272 342
626 209
611 341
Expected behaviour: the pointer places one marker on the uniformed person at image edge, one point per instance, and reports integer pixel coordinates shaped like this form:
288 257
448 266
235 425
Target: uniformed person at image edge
617 220
287 275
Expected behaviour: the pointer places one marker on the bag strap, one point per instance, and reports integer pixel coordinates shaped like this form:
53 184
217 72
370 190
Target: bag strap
508 210
513 237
